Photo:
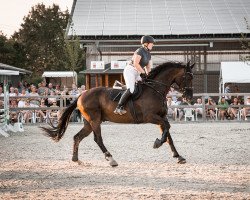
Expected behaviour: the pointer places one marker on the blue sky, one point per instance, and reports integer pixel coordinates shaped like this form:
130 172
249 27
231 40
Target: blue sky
13 11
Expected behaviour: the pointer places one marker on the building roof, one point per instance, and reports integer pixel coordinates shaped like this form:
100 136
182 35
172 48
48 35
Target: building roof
59 74
158 17
9 67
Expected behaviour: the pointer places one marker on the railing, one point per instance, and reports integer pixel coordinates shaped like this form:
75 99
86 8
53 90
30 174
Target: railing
203 96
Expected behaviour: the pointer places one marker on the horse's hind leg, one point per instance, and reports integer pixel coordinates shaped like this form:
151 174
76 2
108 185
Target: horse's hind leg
98 139
84 132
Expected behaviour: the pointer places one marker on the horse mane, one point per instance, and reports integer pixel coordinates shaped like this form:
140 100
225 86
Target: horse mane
167 65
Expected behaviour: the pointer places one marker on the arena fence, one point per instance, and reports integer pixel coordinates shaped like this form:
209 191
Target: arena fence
192 116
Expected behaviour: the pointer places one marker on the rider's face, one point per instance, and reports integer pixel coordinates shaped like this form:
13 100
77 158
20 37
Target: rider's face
150 46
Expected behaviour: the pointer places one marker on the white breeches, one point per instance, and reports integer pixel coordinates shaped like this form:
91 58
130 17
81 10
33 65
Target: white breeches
131 76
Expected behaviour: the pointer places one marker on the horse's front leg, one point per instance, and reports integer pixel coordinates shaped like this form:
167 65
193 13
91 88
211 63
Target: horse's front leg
166 137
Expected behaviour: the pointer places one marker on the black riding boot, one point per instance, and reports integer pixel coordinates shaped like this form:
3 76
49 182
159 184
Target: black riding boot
120 108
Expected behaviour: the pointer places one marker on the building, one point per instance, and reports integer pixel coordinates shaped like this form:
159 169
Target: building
13 79
205 32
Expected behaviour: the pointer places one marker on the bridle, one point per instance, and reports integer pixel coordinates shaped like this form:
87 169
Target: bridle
153 84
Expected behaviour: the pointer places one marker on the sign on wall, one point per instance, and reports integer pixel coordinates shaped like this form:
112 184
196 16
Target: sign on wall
97 65
119 64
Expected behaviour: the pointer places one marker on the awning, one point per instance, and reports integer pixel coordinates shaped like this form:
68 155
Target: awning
234 72
9 72
59 74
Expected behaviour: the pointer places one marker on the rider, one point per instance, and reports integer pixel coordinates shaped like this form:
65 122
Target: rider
139 67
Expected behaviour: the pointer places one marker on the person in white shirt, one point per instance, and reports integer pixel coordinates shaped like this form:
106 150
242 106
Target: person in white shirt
198 110
246 110
171 111
173 93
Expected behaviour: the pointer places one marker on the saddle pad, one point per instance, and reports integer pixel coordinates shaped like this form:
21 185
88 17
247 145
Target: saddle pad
115 94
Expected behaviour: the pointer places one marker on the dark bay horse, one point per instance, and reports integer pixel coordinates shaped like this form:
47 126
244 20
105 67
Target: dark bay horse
96 106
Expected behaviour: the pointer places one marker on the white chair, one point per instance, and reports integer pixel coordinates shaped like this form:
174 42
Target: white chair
189 113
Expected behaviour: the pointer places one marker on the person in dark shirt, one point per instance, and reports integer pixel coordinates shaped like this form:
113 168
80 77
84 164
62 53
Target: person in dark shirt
136 70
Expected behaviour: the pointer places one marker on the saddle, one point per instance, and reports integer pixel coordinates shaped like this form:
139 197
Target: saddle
118 89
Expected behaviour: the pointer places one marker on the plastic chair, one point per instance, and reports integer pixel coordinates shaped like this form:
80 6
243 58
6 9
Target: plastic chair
189 114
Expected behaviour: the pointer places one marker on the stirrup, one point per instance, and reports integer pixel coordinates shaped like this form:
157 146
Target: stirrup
120 111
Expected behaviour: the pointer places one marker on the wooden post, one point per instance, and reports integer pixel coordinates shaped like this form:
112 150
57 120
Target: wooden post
101 80
96 80
87 81
106 80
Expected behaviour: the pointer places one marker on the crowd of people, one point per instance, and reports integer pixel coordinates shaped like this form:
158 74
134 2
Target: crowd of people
226 107
46 95
42 96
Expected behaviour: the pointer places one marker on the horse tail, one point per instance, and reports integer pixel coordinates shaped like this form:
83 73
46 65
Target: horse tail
56 133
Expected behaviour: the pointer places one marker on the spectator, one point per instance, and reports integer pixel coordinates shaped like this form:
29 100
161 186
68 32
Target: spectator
13 113
198 110
211 111
43 89
232 111
171 111
172 92
52 98
181 111
54 113
246 110
1 91
223 107
58 90
27 114
50 86
33 94
12 92
21 101
228 90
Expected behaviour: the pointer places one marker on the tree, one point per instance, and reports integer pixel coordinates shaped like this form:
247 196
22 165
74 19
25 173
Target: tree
42 36
11 52
75 54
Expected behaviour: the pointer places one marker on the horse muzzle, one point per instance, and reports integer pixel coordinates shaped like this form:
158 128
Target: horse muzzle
188 93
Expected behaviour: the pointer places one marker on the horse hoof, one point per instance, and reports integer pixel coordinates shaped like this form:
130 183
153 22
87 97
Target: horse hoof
181 160
113 163
74 159
157 143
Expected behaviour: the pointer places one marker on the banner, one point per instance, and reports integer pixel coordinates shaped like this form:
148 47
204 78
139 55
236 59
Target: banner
119 64
97 65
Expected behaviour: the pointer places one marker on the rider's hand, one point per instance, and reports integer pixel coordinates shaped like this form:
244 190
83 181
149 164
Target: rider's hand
143 76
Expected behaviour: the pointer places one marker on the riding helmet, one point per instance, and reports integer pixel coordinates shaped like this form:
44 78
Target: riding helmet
147 39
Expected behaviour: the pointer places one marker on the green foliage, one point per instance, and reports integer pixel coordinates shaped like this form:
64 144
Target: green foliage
42 37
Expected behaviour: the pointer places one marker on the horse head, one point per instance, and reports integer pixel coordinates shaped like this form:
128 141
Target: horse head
184 80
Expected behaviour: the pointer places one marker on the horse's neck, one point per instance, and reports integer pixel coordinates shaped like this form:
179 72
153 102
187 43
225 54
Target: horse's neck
167 77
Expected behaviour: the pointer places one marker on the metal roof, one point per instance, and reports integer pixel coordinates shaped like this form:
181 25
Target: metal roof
8 67
158 17
59 74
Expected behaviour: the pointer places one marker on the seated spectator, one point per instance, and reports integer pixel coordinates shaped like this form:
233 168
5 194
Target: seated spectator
1 92
13 113
181 111
199 110
232 111
223 107
33 94
58 89
52 98
51 88
54 113
173 93
246 110
42 89
12 92
171 111
27 114
211 111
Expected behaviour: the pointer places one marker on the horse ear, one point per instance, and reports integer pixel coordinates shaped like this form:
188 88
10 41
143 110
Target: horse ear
188 63
192 66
